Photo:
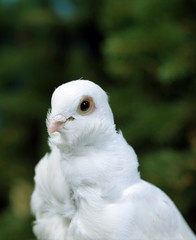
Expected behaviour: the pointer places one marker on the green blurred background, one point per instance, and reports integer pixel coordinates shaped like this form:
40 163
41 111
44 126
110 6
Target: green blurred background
142 52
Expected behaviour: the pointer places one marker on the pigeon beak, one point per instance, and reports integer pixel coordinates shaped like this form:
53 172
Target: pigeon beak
57 122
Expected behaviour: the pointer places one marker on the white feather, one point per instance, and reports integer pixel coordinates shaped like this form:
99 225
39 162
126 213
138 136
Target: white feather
88 187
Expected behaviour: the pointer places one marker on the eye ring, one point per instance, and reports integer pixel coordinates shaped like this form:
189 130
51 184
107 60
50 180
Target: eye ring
86 106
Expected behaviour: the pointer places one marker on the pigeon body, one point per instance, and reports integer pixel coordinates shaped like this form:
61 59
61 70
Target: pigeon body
88 187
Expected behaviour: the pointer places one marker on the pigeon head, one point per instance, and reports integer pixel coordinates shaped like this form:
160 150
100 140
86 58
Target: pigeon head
80 114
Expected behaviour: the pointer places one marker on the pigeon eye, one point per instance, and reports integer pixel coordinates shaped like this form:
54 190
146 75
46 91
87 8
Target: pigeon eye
86 106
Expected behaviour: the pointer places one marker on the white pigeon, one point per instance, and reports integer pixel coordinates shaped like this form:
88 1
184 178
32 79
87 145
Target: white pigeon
88 187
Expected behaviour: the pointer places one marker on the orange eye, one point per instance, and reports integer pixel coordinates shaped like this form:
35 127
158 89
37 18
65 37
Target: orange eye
86 106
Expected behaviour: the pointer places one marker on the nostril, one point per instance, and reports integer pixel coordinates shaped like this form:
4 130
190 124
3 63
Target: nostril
59 118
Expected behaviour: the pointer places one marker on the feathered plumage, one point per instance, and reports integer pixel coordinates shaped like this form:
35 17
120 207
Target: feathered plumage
88 187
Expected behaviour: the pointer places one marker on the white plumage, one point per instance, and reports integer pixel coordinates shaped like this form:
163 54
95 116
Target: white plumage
88 187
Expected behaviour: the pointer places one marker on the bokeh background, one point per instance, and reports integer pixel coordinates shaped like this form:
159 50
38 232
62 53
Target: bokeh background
142 52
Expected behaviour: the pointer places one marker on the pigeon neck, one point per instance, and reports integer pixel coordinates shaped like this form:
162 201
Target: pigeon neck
92 143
